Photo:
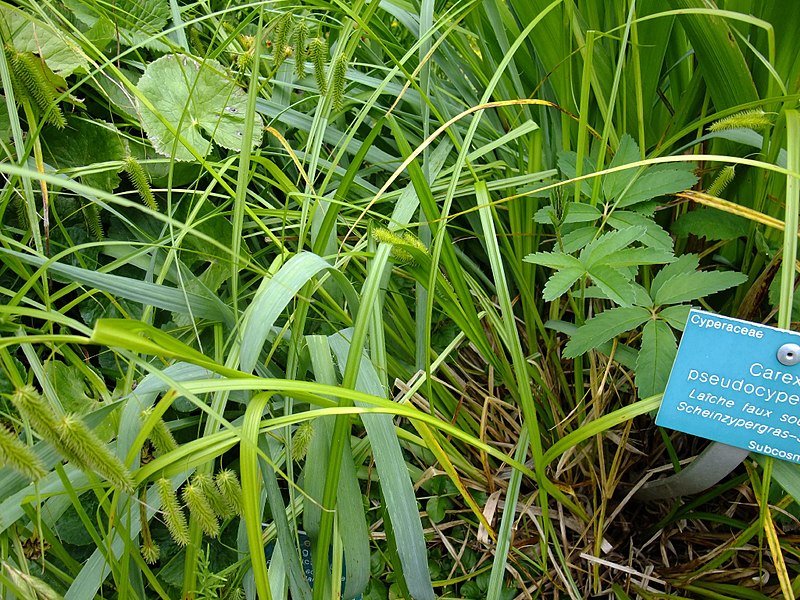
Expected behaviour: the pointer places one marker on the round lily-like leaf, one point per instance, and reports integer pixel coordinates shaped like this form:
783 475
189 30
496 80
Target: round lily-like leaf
199 102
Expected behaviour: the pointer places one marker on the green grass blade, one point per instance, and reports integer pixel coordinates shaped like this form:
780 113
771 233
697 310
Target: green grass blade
401 504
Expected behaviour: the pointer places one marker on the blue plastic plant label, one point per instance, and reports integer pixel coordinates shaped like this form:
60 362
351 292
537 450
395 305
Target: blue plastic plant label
737 383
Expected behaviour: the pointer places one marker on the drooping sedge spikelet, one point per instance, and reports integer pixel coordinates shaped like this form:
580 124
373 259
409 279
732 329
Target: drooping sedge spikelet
338 81
20 91
196 42
22 214
302 440
174 518
92 217
412 240
18 456
318 53
91 451
299 34
723 178
200 509
279 39
161 436
228 485
218 504
149 549
386 236
755 119
139 179
29 71
245 57
33 407
383 235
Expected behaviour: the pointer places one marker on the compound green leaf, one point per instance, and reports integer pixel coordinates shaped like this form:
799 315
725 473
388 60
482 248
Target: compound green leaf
604 327
691 286
554 260
684 264
676 315
560 282
199 102
655 182
655 358
609 243
614 283
654 235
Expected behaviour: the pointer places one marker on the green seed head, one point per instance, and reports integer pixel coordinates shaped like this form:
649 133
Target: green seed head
171 511
755 119
218 504
200 509
318 53
93 453
18 456
150 552
302 440
228 485
723 178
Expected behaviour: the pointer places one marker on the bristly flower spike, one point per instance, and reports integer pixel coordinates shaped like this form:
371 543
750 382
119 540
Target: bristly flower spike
300 32
91 451
200 509
228 485
721 181
318 53
755 119
18 456
172 513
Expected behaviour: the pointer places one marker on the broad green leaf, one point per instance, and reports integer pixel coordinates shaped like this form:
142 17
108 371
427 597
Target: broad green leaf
560 282
614 283
61 53
199 101
655 358
691 286
595 252
656 182
627 152
81 143
654 236
68 383
604 327
684 264
711 224
576 212
629 257
135 21
554 260
676 316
